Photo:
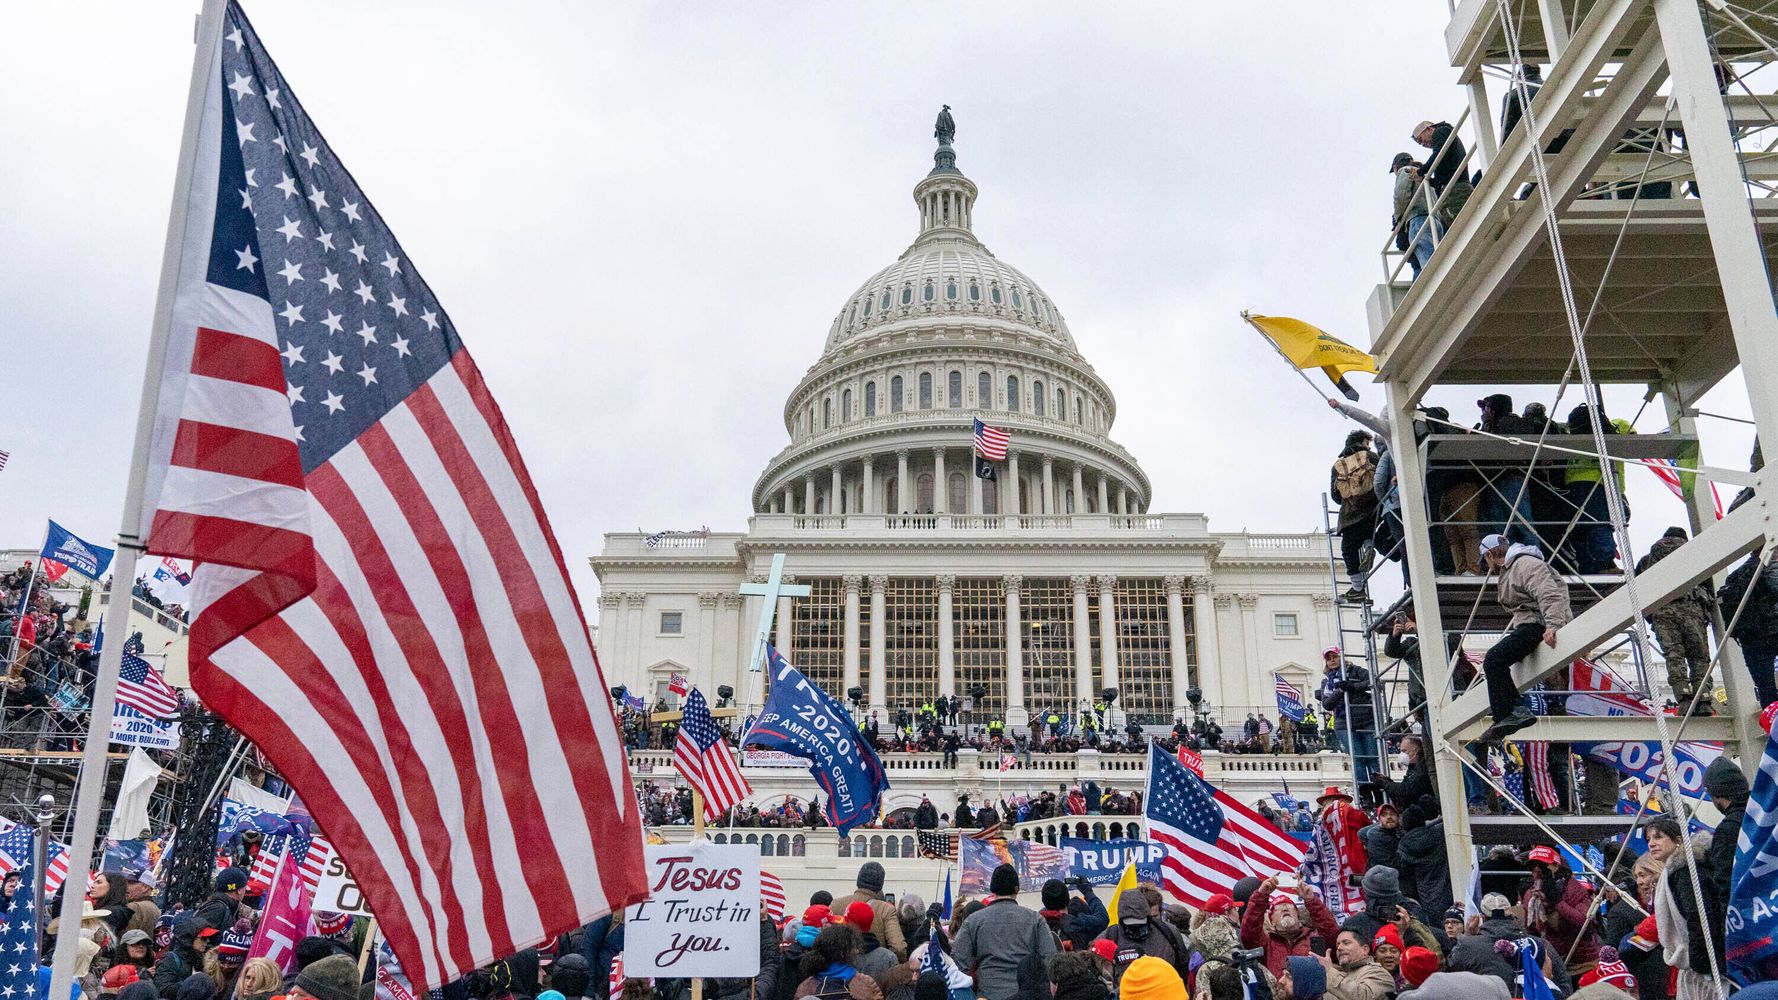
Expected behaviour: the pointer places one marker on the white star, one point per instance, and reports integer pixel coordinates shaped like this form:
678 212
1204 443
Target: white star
429 318
311 155
318 198
351 210
250 181
334 402
278 141
246 199
393 264
325 239
292 353
243 85
357 251
332 363
368 332
21 948
368 374
292 231
235 36
293 314
331 280
332 322
271 97
364 292
299 432
292 272
288 186
244 132
295 392
398 304
7 992
247 258
400 345
13 970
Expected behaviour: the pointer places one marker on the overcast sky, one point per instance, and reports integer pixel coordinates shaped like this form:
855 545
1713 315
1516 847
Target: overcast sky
644 216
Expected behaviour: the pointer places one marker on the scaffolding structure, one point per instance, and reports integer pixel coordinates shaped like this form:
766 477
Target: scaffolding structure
1670 292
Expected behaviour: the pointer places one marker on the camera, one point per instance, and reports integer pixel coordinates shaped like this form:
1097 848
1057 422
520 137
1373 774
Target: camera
1250 963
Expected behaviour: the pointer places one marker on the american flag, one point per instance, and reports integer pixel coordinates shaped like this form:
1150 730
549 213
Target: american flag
942 844
1667 471
703 759
313 851
1537 766
1212 840
617 977
990 442
18 944
1008 761
1290 700
1042 857
771 894
142 687
378 601
15 852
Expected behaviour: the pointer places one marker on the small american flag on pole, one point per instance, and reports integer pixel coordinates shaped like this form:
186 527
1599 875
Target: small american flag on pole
990 442
142 688
1008 761
771 894
703 759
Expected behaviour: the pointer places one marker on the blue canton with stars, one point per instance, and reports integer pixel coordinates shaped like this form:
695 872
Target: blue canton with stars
357 326
18 940
1181 799
695 721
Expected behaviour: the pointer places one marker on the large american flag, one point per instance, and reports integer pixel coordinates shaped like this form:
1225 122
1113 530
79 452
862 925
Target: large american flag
142 687
378 602
16 840
310 851
702 757
990 442
1212 840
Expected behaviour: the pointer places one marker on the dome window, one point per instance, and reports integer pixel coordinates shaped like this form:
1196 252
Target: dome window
1037 397
951 290
827 413
886 300
994 294
984 390
954 389
907 294
852 314
1012 393
895 394
870 399
1061 404
975 292
1078 412
867 307
1017 302
846 405
926 293
925 390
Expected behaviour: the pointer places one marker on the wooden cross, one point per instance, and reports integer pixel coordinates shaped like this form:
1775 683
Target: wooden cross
771 590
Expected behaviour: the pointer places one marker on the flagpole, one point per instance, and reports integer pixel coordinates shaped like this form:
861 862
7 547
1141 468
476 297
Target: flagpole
90 792
1274 346
697 833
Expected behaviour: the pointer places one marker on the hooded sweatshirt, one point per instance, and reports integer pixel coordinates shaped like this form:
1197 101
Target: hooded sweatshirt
1136 936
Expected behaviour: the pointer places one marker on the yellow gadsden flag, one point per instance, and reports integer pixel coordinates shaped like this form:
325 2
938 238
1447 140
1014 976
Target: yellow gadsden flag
1125 883
1306 346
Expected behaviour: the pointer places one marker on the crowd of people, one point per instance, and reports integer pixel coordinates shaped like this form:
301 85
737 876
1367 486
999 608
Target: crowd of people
51 662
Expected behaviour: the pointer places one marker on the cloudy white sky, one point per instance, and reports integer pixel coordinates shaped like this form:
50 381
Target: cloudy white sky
643 217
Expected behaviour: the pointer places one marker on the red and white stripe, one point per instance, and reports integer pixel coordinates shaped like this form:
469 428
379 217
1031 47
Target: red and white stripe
991 442
771 895
1194 870
712 772
396 629
1192 761
1537 769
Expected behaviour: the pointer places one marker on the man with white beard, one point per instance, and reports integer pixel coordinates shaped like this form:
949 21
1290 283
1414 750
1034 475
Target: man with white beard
1275 923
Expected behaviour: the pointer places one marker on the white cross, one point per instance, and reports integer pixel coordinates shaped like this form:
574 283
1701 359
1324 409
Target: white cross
771 590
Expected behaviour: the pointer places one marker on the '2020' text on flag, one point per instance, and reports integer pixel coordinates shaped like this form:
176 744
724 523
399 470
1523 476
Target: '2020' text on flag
379 602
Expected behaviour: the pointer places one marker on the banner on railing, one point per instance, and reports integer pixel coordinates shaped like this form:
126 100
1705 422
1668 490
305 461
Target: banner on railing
1036 863
132 728
1102 861
772 758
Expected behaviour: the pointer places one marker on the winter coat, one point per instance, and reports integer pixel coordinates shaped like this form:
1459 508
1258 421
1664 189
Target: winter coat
1567 922
1475 952
1256 932
175 967
1446 157
874 960
601 944
1676 908
858 985
1353 510
1759 619
1531 590
1423 869
1381 845
762 986
1136 936
219 911
886 925
1216 940
1404 205
1364 980
1349 686
995 939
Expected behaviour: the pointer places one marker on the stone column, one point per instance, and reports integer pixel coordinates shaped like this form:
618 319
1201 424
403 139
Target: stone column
1108 635
1325 634
1123 500
1250 666
635 637
1016 714
749 624
941 489
729 661
704 672
808 495
833 489
850 583
784 621
1104 502
947 643
789 500
879 650
904 488
1083 643
1176 643
1011 484
1080 491
1049 485
868 502
611 633
1204 619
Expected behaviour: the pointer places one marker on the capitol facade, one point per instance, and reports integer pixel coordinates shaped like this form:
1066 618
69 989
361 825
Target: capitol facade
1034 591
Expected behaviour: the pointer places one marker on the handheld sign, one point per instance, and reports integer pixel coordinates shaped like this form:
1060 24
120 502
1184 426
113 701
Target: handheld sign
702 915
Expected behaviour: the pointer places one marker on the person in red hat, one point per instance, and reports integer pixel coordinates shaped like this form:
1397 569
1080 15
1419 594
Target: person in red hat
1611 972
1417 965
1558 906
1276 924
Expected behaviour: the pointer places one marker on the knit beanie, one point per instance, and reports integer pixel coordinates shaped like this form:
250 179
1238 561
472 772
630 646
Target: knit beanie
820 897
931 986
1308 979
1382 884
1722 779
870 876
1004 881
1388 934
197 986
570 975
332 978
817 916
1612 972
1416 964
1055 895
1150 978
551 995
1244 889
860 916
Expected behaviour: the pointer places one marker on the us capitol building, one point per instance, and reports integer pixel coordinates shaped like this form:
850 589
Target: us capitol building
1032 592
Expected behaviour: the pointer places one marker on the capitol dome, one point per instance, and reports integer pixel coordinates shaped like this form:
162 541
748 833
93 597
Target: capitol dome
947 334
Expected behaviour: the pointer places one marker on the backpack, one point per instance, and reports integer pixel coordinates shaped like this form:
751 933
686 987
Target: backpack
823 991
1355 475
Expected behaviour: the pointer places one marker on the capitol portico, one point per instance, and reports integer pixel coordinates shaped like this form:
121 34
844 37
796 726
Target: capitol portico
1032 591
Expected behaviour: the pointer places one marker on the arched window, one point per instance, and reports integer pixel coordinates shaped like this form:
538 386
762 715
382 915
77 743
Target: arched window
870 399
852 314
766 847
827 413
984 390
895 394
799 845
1068 501
845 405
820 504
954 389
1037 397
892 495
958 494
867 307
907 294
894 845
975 291
951 289
990 497
886 300
994 293
1012 394
925 390
1061 404
1077 410
926 293
923 493
1017 303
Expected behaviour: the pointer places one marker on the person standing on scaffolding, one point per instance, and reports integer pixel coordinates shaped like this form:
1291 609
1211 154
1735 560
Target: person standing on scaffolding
1352 484
1537 597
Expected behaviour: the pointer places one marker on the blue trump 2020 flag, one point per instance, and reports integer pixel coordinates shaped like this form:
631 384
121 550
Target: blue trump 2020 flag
1752 921
802 719
76 553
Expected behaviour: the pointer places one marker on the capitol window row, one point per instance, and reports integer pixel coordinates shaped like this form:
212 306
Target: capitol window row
927 291
944 388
